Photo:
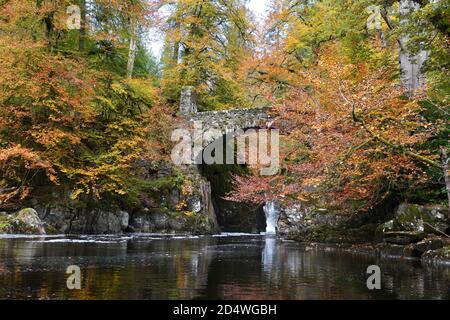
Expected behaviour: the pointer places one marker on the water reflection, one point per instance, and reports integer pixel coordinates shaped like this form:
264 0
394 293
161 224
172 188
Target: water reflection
227 267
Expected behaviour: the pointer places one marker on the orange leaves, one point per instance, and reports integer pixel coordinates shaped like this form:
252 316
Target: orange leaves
330 157
18 165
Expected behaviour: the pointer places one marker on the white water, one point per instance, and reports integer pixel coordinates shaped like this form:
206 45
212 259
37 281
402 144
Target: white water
272 212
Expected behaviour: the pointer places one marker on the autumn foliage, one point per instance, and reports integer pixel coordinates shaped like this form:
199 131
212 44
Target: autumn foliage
65 117
79 108
352 137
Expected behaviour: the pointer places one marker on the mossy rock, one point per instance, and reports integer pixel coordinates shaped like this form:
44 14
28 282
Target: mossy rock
426 245
394 251
25 221
412 217
415 218
403 237
437 257
5 224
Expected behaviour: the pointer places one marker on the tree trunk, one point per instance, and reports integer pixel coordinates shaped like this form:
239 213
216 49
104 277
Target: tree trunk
132 50
446 166
412 77
82 35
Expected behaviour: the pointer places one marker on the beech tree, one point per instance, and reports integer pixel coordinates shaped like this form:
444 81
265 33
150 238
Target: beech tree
206 41
68 116
352 137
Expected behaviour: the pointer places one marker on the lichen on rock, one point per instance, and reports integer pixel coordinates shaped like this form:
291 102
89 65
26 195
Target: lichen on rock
25 221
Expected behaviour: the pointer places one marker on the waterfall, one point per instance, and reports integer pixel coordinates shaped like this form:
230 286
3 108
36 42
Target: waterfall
272 212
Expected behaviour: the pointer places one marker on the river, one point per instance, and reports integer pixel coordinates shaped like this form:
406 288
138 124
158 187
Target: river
227 266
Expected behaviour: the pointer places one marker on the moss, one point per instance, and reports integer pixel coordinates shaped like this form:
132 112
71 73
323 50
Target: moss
163 211
411 215
50 230
25 212
5 224
16 224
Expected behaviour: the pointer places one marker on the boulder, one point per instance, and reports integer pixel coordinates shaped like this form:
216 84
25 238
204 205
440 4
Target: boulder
25 221
440 257
84 221
394 251
403 237
109 222
124 218
426 245
414 219
159 221
431 218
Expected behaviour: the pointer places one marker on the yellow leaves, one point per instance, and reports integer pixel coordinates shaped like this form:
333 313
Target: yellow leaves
142 89
76 193
118 88
182 205
189 214
50 137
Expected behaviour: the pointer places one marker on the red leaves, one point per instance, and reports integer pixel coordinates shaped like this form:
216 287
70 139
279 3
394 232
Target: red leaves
329 156
18 165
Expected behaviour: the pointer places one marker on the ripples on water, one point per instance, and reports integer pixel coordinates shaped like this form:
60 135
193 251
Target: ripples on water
227 266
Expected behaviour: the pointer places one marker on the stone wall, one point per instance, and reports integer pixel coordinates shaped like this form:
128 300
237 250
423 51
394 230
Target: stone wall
228 121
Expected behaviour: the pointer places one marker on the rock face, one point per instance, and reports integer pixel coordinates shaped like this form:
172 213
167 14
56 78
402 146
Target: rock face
172 203
304 222
415 218
416 232
190 211
25 221
84 221
196 216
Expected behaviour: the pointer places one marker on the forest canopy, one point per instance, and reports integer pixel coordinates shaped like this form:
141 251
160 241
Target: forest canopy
359 90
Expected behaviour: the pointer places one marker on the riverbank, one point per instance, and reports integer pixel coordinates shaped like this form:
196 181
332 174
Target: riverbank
416 233
405 232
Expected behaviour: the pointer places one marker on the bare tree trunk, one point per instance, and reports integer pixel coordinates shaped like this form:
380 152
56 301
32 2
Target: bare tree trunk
82 35
176 46
412 77
446 166
132 50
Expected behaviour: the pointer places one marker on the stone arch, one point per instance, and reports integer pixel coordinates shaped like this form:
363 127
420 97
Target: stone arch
222 124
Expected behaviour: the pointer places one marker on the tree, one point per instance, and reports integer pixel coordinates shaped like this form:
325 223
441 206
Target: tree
67 114
205 43
351 137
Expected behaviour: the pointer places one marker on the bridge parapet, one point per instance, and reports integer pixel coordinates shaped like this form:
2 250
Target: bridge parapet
222 121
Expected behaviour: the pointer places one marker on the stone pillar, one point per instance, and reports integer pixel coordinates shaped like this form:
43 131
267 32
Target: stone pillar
188 101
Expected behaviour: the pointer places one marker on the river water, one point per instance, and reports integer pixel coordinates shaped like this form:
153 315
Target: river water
229 266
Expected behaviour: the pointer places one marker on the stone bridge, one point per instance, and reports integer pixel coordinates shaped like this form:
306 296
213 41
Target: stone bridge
200 132
215 124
